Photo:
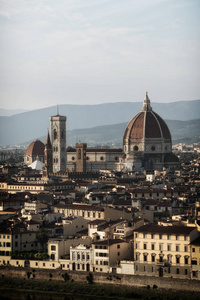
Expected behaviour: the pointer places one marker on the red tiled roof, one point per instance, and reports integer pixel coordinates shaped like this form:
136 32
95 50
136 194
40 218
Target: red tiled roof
35 148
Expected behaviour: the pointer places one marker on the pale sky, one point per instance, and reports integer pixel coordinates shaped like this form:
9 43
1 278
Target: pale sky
96 51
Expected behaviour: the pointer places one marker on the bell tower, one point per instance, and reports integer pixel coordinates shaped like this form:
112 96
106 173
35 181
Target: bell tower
81 157
58 141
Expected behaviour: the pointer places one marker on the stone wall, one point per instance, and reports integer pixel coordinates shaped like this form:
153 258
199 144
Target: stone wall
130 280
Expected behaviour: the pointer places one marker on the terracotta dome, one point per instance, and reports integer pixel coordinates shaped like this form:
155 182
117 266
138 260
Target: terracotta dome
35 148
147 125
147 140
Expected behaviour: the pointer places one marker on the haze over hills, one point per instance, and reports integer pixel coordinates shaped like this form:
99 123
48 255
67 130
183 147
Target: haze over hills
31 125
11 112
113 134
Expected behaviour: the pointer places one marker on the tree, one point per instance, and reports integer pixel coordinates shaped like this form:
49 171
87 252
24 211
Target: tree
42 238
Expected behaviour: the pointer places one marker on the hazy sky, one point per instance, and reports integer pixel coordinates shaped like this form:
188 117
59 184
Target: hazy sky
94 51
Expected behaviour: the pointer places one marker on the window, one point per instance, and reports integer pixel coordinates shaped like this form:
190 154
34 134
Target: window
169 270
79 154
151 269
144 235
152 246
118 253
53 247
160 236
36 263
152 236
178 260
153 258
193 249
177 237
144 268
186 248
177 271
145 257
160 247
186 271
43 264
169 247
145 246
55 134
118 246
177 247
186 260
169 237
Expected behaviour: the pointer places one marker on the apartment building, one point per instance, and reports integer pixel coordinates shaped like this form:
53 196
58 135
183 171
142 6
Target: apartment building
195 258
163 251
108 254
16 239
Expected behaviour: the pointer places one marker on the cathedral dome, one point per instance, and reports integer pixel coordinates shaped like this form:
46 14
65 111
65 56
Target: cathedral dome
147 140
36 148
146 125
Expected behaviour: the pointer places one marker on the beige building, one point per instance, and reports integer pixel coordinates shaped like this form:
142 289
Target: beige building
72 225
195 258
60 248
163 251
108 254
90 212
16 239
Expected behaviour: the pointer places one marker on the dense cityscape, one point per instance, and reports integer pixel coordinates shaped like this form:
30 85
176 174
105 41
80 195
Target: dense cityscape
131 212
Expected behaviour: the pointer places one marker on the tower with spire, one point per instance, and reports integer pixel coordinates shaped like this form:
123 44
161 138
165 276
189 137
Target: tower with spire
48 159
58 141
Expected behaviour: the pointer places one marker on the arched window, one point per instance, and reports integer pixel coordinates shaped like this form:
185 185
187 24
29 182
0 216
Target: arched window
54 134
79 154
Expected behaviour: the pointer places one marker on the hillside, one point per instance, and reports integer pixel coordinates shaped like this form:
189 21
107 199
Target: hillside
181 131
30 125
112 135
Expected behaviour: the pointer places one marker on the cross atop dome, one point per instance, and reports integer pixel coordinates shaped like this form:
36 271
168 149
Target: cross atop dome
146 103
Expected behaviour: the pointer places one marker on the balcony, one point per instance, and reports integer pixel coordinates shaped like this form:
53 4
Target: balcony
162 262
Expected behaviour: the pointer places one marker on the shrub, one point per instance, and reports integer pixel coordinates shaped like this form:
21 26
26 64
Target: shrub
155 286
90 278
66 277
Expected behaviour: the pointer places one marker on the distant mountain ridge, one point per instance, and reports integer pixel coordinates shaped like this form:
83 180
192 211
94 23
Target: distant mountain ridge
11 112
30 125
